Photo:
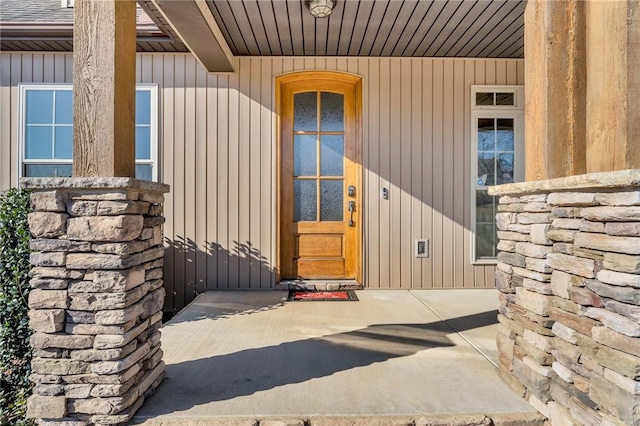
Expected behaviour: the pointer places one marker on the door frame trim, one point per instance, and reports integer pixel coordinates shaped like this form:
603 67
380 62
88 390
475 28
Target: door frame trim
344 77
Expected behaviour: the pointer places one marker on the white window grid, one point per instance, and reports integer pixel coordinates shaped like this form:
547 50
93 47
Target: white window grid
153 126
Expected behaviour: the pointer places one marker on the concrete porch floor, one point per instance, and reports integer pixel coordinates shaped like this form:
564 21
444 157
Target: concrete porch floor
393 358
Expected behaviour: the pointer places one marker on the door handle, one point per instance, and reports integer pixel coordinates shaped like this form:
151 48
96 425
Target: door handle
352 208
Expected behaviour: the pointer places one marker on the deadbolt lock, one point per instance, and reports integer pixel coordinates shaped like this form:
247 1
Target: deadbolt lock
351 191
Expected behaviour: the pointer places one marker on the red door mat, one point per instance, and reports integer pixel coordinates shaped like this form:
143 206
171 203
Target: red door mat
322 296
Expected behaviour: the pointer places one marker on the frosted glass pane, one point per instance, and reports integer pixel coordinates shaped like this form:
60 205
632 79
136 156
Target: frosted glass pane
331 193
331 112
486 168
38 141
305 196
331 155
486 134
484 98
39 107
143 143
143 107
305 112
63 147
504 168
48 170
504 135
305 151
143 171
64 107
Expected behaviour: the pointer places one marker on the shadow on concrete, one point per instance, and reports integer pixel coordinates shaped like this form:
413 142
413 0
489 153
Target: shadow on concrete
224 377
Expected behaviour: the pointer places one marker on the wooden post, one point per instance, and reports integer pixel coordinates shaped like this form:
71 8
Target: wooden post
104 66
613 85
555 99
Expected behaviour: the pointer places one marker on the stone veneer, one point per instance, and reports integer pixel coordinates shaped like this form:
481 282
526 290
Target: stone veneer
569 279
96 299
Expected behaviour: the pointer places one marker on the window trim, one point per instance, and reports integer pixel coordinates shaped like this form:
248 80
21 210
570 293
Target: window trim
153 133
494 111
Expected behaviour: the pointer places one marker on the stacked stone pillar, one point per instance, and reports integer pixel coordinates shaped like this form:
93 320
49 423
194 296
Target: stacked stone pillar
569 279
96 299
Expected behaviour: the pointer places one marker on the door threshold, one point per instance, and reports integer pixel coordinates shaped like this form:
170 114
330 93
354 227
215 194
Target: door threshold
318 285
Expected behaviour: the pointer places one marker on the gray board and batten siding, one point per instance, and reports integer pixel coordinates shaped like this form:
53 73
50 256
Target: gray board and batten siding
217 140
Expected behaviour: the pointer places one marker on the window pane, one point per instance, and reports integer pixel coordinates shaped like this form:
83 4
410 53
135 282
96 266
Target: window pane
332 112
331 155
144 172
305 151
39 107
305 196
331 193
305 112
48 170
63 146
505 99
504 136
38 142
64 107
143 143
486 168
143 107
484 98
486 134
504 168
485 241
485 207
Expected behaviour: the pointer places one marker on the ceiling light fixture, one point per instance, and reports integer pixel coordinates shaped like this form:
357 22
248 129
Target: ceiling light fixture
321 8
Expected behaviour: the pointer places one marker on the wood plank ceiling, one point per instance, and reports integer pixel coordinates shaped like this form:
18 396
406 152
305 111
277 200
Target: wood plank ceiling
410 28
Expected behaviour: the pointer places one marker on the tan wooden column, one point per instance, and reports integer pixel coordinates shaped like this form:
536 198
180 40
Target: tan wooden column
613 85
555 79
104 67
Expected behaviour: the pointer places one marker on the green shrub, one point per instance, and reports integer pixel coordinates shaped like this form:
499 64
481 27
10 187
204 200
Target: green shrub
15 350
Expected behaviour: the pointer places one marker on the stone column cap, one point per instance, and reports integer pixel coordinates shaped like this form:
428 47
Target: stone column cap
618 179
93 183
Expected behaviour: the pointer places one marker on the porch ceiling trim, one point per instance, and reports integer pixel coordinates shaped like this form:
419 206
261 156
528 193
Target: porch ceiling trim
195 25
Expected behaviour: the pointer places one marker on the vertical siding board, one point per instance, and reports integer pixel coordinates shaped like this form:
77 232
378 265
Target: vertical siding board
395 177
438 173
245 190
448 175
416 170
490 71
255 172
6 102
48 63
469 77
168 108
384 172
212 144
459 175
201 178
190 177
268 69
520 72
405 171
501 71
427 170
59 71
38 68
373 202
222 120
512 72
180 278
234 177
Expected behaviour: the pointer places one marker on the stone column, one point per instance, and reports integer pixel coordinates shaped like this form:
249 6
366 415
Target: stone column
569 279
96 299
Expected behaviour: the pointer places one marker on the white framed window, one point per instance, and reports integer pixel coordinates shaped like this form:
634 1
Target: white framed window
497 157
46 130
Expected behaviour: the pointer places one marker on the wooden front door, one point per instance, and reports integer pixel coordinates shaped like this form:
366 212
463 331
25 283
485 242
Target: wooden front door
320 202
